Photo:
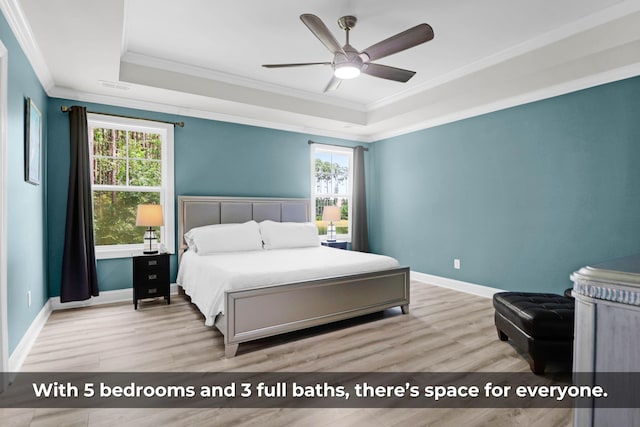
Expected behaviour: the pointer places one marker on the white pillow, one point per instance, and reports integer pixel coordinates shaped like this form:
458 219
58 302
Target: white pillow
224 238
189 236
281 235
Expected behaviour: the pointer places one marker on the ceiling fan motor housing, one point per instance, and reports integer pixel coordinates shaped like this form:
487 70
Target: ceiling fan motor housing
352 56
347 66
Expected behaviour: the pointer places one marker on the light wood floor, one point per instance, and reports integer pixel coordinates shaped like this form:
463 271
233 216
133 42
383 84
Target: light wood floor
446 331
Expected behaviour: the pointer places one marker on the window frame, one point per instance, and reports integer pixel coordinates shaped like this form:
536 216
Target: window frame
314 195
166 190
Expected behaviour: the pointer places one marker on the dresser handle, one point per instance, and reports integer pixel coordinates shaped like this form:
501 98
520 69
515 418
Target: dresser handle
154 262
153 276
152 291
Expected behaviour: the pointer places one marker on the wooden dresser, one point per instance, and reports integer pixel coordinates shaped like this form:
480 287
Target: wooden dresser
607 332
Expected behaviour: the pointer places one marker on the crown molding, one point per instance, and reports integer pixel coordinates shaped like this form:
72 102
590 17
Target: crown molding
550 92
286 120
586 23
526 98
22 31
65 93
190 70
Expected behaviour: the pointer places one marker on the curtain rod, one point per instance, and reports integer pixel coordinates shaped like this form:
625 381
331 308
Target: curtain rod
334 145
66 109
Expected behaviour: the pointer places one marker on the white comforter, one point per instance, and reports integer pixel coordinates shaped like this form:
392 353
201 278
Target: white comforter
205 278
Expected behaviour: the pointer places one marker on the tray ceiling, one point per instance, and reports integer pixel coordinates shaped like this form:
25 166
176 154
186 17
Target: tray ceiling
203 58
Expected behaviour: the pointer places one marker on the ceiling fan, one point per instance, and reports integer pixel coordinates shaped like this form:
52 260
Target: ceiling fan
348 63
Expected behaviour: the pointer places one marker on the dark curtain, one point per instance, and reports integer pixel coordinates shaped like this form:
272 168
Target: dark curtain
79 278
360 233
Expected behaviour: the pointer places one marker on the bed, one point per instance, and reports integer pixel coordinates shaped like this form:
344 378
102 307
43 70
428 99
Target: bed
232 289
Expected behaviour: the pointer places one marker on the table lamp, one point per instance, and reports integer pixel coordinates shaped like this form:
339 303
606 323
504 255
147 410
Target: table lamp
149 216
331 213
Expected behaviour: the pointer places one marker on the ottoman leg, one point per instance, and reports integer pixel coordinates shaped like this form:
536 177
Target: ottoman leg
537 366
502 336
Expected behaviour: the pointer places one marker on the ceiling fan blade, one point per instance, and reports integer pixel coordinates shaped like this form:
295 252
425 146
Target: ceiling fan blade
334 83
321 31
386 72
301 64
412 37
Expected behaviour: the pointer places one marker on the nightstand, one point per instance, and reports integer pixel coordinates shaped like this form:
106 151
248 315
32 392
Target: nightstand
340 244
151 277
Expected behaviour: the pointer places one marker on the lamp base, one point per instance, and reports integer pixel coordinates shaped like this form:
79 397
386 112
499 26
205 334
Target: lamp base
331 240
150 235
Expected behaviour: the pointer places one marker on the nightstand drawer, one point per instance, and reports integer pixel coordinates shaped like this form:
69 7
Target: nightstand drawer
149 291
151 262
149 277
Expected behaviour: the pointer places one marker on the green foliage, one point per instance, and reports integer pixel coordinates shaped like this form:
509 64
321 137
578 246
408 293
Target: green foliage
321 202
330 176
344 209
342 227
322 227
114 214
126 158
123 158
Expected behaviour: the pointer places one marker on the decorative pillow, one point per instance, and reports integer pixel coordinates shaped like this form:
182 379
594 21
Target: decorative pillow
224 238
281 235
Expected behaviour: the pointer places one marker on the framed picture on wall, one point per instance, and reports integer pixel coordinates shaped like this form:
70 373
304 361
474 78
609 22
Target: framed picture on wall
32 143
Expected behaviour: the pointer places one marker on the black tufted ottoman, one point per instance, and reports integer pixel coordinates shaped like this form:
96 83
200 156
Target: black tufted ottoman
539 324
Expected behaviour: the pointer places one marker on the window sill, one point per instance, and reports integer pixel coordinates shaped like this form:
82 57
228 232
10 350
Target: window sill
120 252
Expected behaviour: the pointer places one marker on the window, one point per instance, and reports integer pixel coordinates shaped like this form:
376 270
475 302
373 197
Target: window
331 185
132 164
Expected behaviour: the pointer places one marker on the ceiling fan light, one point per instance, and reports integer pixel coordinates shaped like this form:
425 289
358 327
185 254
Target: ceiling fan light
346 71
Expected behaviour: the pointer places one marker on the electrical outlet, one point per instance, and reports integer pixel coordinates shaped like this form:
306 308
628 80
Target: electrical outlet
456 264
29 298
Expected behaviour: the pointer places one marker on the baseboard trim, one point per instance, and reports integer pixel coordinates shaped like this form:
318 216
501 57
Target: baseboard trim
458 285
23 348
105 297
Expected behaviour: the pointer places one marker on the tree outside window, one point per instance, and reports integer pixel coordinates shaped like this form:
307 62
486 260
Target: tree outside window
131 165
332 186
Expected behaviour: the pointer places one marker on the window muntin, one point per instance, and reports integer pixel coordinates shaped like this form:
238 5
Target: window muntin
132 164
331 184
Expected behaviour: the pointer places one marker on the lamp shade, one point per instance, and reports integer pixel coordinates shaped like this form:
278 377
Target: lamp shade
149 215
331 213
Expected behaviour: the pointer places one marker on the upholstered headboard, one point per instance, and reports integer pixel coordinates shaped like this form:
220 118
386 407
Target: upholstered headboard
196 211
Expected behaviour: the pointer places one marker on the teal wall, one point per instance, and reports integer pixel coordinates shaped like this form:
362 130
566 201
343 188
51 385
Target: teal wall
211 158
26 237
523 196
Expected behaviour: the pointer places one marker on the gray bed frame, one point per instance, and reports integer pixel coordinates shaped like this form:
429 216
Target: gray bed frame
291 306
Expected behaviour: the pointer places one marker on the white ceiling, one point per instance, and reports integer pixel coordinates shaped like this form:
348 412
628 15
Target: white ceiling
203 58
